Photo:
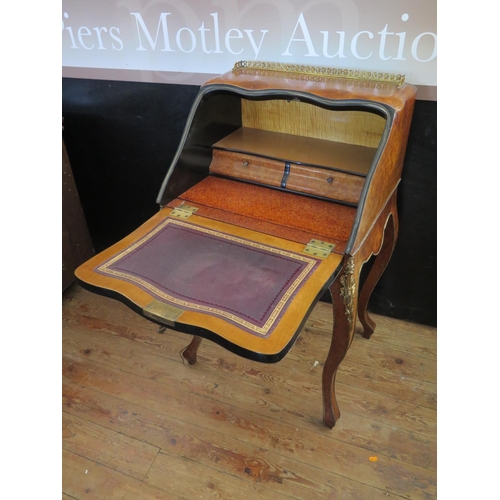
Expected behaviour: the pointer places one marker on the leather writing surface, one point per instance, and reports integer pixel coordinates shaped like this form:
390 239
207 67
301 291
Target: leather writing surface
196 268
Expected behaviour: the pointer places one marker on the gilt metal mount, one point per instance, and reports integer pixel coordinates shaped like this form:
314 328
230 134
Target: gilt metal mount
348 290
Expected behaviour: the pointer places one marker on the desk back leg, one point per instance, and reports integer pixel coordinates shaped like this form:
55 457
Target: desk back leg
189 353
379 265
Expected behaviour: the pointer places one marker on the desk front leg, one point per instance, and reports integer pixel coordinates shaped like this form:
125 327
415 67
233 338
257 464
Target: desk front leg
344 298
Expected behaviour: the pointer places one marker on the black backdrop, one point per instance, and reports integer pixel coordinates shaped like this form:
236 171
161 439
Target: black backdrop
122 136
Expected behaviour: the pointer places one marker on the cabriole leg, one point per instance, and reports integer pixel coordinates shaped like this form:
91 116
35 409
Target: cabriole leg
189 354
343 292
379 265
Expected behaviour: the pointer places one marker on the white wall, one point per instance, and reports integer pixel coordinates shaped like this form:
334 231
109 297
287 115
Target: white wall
188 41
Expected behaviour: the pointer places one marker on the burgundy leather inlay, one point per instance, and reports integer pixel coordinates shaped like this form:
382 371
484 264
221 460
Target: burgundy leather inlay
196 268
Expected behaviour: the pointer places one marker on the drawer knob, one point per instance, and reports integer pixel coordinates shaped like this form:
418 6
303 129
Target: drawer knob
245 164
329 180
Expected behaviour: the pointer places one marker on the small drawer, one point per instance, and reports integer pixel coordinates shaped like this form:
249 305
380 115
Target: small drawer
304 179
247 167
325 183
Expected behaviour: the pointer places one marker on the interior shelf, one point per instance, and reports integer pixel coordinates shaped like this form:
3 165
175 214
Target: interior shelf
298 149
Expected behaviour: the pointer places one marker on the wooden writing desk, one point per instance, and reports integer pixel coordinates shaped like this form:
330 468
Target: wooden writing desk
283 186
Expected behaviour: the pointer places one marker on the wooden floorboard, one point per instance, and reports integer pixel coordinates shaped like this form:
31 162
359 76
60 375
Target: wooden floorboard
138 422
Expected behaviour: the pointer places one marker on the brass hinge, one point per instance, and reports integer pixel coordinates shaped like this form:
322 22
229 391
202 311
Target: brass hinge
183 211
318 248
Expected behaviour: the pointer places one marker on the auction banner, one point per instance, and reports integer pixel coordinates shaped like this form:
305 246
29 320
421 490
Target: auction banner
188 41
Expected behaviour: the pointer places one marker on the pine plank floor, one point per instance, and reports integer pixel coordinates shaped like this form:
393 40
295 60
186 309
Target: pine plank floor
138 423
